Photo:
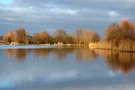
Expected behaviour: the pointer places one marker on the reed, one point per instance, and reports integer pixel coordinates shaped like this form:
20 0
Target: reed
123 45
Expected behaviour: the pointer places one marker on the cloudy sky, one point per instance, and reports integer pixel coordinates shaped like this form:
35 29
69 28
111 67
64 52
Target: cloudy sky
50 15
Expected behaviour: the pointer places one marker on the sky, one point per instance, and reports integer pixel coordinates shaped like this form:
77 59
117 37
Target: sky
50 15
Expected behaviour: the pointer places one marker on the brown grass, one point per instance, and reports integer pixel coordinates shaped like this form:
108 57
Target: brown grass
124 45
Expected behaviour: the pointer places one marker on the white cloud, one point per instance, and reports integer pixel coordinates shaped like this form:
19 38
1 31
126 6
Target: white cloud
63 11
113 14
60 13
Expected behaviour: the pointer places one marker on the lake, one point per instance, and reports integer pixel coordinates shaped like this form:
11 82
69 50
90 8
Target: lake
65 68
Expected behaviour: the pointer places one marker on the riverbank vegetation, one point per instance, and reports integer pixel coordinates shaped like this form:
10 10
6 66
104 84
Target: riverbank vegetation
60 36
119 37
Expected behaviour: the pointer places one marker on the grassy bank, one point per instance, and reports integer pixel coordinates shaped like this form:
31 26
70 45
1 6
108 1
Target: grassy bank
123 45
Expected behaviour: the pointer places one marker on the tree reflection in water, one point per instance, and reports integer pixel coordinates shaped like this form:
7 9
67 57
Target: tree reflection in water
40 52
81 54
18 54
84 54
61 53
123 61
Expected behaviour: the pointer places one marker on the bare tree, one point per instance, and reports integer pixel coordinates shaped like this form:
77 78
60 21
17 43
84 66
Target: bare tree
9 37
36 38
124 30
44 37
60 35
21 36
41 38
78 36
86 36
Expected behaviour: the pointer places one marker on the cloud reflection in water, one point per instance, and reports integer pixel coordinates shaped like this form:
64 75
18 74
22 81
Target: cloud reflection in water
63 66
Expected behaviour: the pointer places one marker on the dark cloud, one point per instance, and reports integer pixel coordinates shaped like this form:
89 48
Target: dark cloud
49 15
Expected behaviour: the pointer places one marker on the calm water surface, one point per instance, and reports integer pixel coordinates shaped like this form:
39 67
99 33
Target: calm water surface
65 68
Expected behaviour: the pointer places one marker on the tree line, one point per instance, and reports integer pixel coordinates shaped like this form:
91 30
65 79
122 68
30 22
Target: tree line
79 37
115 33
118 32
118 37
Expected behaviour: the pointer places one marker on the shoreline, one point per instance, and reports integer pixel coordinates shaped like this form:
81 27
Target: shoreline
57 45
123 46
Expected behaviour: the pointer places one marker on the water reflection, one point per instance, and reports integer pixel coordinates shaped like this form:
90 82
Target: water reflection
64 67
61 53
123 61
81 54
18 54
40 52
